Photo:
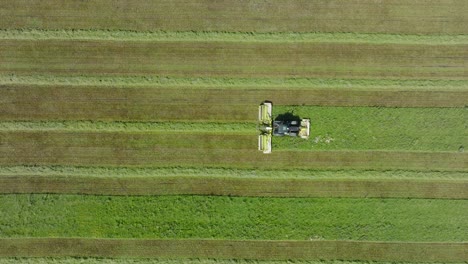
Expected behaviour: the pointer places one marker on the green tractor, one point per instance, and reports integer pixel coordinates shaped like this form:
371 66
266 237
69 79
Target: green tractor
269 128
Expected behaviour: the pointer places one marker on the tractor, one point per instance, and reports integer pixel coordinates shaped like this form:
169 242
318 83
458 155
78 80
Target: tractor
269 127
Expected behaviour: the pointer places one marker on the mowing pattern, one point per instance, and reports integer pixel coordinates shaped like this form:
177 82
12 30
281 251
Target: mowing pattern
127 129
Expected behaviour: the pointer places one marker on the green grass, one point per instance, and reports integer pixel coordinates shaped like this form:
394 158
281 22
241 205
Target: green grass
233 249
237 83
34 34
69 260
135 172
233 59
401 17
361 128
234 186
233 218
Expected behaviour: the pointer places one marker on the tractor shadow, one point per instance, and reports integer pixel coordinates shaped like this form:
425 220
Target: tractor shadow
289 116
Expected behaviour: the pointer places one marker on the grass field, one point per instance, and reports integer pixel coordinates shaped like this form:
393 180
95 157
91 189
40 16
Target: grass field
223 217
128 131
270 250
368 16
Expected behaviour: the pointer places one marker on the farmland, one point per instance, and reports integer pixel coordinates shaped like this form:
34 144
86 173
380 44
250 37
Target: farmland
128 131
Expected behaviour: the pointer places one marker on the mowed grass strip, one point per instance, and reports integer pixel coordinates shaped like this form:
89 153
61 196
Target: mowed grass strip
232 186
75 260
234 249
415 17
222 217
278 83
336 60
284 173
31 102
185 149
333 128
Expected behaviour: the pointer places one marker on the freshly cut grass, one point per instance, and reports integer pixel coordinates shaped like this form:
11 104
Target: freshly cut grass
283 173
212 150
233 186
11 80
363 128
75 260
333 128
227 59
221 217
59 102
415 17
234 249
282 37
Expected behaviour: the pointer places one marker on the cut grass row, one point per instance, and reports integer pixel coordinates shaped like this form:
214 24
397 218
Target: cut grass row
11 80
235 249
30 102
285 174
296 37
182 149
222 217
233 186
335 60
415 17
333 128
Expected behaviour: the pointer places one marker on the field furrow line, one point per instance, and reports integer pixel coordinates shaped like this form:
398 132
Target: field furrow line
234 249
232 186
403 17
226 59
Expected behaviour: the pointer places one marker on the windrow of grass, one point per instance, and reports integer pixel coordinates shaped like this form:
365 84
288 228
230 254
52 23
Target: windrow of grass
296 37
284 173
221 217
234 186
401 17
25 81
228 249
228 59
333 128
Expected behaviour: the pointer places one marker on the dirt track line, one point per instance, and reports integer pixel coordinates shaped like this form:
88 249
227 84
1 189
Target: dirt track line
205 59
234 249
397 16
231 186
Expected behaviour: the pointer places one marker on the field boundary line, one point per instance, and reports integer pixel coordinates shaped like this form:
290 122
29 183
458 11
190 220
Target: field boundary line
232 186
205 36
234 249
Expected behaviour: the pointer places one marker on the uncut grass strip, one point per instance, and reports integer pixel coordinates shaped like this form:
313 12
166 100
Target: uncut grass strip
403 17
225 59
234 249
183 149
224 217
23 102
231 186
33 80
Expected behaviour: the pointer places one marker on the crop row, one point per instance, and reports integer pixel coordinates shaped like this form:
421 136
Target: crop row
213 58
415 17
